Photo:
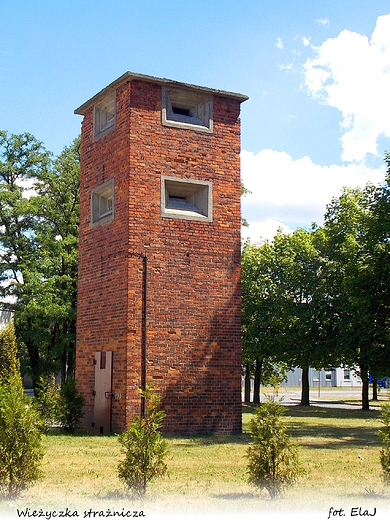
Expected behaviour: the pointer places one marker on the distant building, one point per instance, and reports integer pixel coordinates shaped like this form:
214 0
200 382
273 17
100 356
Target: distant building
160 196
5 317
336 377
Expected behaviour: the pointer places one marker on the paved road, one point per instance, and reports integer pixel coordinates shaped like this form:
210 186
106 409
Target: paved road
327 397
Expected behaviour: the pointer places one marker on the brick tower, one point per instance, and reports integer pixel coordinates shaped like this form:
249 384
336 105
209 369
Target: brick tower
159 255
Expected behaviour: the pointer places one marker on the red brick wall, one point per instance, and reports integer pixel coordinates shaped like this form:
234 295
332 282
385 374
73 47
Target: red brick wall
193 322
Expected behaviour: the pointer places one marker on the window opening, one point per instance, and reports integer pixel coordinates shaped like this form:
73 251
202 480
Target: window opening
187 109
182 111
186 198
104 115
102 203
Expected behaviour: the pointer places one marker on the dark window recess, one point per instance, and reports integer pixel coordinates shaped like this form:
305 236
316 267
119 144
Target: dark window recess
103 361
181 111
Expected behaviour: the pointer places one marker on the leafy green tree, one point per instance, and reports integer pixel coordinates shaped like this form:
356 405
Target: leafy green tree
272 458
39 208
357 231
287 313
143 445
261 325
306 310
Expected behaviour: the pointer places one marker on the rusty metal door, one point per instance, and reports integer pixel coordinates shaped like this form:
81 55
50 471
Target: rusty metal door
103 379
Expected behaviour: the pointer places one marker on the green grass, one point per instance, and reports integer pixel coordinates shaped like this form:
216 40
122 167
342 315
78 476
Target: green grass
339 450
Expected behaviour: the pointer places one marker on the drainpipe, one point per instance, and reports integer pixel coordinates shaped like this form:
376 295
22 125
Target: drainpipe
144 314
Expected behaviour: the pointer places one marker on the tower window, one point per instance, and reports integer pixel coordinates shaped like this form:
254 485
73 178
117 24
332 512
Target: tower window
104 116
102 203
186 199
187 109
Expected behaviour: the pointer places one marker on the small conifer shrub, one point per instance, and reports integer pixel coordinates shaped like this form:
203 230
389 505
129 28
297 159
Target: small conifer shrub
48 400
143 445
9 362
272 457
21 424
71 406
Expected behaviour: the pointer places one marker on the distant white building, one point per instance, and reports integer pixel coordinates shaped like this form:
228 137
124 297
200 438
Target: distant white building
5 317
336 377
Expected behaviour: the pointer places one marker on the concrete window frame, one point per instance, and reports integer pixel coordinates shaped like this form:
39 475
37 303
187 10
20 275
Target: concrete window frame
187 109
187 199
104 115
102 203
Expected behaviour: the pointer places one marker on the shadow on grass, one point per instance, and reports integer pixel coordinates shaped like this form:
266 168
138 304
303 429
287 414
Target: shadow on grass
330 413
332 433
206 440
336 434
78 432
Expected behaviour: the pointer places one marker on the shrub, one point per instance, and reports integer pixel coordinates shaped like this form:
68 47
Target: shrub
48 400
21 448
9 362
384 434
273 458
71 406
143 445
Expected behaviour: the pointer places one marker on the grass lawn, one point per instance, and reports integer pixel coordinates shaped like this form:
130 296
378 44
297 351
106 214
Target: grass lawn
339 450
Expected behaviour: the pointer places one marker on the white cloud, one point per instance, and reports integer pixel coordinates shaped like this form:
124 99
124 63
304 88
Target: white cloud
352 73
279 43
288 66
293 192
258 232
306 41
323 21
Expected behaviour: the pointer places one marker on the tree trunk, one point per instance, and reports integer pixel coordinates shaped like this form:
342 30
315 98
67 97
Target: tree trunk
256 389
365 387
33 354
305 397
247 397
375 389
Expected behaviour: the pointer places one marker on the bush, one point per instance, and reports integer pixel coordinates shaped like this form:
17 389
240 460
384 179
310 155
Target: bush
273 459
71 406
9 362
48 400
21 449
384 434
144 447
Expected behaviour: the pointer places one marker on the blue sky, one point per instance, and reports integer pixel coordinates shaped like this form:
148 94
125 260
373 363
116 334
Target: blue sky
317 74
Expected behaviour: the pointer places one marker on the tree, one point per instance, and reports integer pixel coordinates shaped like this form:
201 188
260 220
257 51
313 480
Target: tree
39 206
286 309
260 311
272 457
143 445
306 309
357 232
